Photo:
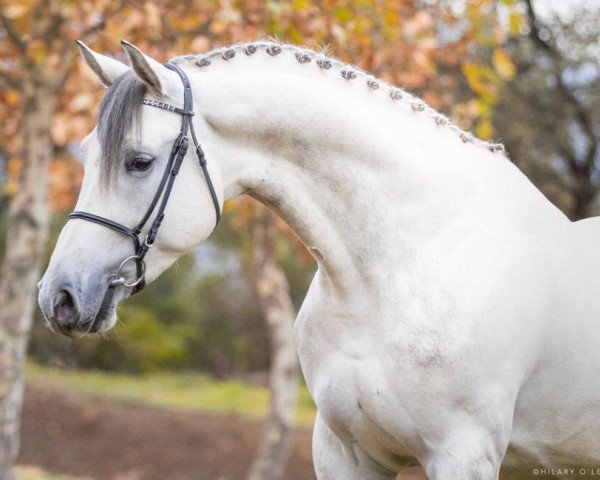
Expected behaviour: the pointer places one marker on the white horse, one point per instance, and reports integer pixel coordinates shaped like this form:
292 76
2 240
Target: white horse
453 326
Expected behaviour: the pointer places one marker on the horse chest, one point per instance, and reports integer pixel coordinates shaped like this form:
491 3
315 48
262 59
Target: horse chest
347 381
333 362
343 364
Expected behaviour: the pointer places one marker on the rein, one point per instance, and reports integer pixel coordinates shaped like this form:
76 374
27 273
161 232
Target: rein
178 152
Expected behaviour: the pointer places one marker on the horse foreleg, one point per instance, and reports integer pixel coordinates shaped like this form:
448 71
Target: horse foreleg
465 455
333 463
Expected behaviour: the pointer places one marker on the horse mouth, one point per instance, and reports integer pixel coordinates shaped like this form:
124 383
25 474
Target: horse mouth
104 313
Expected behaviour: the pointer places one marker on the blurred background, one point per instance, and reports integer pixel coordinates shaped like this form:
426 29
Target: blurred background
199 379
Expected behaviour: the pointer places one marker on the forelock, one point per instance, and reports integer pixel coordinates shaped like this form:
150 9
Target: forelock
119 110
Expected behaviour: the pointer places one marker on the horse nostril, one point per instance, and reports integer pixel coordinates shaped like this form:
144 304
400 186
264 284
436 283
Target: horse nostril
65 309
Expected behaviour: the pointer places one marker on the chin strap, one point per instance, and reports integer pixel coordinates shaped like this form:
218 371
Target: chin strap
161 197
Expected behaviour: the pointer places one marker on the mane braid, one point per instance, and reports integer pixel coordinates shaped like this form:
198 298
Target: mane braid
349 72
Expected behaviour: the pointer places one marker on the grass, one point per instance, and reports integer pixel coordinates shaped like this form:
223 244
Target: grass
169 389
36 473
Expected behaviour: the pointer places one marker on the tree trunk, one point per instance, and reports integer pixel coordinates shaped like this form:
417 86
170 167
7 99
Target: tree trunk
25 242
273 292
584 190
584 194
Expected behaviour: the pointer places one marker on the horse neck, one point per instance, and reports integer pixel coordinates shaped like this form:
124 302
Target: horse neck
361 179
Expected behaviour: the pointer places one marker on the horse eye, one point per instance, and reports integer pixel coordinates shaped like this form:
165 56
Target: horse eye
140 162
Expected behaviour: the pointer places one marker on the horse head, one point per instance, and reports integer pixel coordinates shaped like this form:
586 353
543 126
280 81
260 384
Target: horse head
130 160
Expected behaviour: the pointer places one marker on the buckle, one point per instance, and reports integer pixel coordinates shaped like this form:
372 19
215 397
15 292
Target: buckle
181 138
200 155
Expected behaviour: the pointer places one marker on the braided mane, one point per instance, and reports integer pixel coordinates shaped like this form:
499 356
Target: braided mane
349 72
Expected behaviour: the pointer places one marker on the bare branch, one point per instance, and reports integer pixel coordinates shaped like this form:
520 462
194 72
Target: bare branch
38 17
534 25
9 79
13 33
66 56
4 84
583 115
94 28
53 29
201 30
116 6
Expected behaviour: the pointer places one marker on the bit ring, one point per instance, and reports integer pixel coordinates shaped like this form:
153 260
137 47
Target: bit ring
120 280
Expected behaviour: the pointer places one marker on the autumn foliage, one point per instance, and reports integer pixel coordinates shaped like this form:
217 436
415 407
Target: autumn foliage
434 50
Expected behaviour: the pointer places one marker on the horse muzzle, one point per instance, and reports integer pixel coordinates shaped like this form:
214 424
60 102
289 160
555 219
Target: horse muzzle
75 314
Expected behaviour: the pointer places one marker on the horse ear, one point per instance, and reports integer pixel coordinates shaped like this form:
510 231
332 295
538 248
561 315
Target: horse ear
107 69
159 79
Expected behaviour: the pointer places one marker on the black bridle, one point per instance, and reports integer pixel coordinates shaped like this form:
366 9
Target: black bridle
163 193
